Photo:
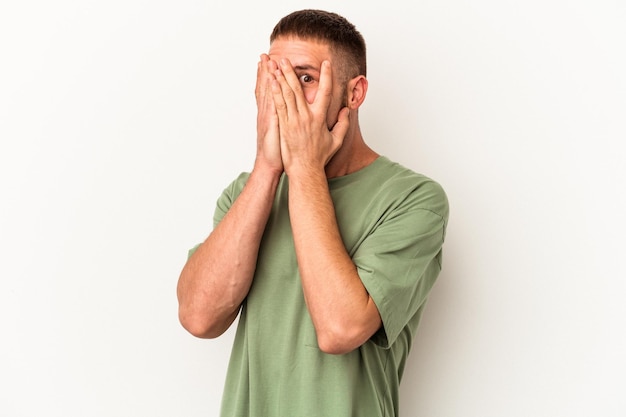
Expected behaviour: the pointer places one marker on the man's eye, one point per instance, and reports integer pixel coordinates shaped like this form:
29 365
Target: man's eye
306 78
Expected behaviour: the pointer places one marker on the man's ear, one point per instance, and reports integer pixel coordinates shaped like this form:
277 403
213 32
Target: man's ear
356 92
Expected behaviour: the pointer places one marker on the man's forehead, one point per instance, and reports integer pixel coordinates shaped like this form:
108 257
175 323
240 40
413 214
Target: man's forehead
295 46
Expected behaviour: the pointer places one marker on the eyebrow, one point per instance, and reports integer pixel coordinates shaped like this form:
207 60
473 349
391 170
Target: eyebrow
305 68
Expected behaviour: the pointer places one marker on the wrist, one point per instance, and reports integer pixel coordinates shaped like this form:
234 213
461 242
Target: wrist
266 171
304 170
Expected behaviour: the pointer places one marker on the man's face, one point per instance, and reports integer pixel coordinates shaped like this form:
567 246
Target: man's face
306 57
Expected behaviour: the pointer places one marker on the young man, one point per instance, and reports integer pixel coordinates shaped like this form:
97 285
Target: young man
327 249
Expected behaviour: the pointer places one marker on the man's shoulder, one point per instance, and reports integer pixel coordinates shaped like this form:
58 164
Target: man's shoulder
393 173
399 182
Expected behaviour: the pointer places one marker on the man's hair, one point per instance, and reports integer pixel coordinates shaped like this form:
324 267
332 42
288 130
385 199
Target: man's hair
341 36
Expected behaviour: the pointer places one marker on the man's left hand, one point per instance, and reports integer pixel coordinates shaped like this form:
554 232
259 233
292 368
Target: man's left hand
306 141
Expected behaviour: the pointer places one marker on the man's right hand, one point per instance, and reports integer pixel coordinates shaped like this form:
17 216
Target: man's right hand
268 136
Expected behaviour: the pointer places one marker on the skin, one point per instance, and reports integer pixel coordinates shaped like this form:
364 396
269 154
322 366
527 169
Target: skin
307 127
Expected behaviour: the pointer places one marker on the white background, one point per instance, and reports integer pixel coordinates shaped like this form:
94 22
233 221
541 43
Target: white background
122 121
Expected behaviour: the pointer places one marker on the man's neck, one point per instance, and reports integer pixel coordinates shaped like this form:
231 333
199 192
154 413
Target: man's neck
353 155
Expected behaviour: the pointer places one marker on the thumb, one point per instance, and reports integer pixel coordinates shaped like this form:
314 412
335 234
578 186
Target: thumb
340 128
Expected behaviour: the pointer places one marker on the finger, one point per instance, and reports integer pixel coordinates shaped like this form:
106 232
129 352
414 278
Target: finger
324 91
340 128
269 99
284 98
279 101
262 82
265 71
271 68
257 88
289 78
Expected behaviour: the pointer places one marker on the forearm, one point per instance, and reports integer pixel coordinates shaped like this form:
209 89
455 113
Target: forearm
217 277
342 311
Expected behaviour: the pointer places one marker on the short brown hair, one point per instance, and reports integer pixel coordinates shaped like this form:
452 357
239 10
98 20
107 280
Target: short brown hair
341 35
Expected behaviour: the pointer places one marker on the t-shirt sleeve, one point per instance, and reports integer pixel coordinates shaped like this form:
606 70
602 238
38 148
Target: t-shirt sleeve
400 260
228 197
224 202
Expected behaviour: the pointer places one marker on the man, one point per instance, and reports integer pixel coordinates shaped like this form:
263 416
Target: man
327 249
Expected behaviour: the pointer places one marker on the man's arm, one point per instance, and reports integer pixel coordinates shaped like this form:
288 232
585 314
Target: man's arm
217 277
343 313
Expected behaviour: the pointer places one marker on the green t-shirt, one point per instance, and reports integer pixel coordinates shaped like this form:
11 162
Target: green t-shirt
392 222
